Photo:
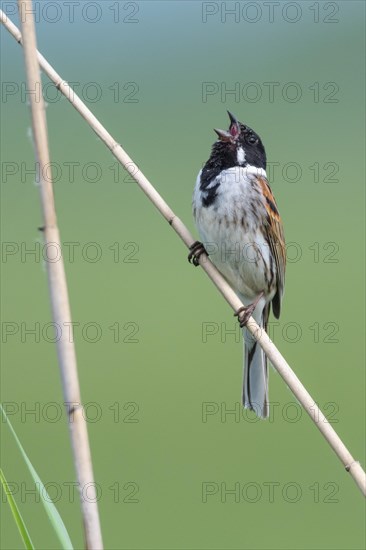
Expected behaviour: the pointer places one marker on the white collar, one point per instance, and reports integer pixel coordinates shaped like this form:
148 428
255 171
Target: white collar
253 170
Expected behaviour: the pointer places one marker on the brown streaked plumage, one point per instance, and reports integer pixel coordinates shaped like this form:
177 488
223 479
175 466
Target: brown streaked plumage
276 240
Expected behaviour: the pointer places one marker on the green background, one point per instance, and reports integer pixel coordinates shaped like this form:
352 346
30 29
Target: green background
166 378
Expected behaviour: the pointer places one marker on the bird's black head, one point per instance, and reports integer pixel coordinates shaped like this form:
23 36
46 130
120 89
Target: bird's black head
240 145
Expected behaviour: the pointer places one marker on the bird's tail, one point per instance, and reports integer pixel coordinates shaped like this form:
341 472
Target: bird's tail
255 386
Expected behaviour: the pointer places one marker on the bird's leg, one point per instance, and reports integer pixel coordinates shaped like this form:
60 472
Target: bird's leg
244 313
196 249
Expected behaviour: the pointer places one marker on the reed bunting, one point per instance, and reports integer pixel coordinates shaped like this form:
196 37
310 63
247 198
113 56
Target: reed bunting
239 224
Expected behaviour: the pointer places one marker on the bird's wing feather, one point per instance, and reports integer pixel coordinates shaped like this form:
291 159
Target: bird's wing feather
276 240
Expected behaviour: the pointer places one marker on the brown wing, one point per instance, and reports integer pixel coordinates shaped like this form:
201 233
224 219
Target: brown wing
276 240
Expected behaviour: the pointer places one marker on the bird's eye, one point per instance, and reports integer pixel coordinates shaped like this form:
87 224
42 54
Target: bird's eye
252 140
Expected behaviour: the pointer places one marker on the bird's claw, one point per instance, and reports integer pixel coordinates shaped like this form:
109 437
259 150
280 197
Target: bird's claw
196 249
244 313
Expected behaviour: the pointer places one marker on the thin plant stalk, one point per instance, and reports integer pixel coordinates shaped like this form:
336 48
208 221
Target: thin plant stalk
58 287
280 364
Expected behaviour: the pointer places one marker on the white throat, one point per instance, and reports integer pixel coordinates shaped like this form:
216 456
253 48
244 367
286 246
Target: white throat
240 155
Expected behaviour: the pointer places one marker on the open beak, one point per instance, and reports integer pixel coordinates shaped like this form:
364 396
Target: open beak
223 135
234 125
233 119
233 132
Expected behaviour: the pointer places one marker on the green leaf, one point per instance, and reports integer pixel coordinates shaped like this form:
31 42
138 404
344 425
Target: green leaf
49 507
16 514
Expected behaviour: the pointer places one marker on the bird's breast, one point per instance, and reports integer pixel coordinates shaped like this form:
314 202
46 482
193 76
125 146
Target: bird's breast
232 229
236 200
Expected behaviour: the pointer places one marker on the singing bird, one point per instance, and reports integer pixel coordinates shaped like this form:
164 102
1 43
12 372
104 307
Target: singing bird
238 221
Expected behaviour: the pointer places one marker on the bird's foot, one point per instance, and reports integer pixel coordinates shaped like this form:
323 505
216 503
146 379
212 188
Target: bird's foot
196 249
244 313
